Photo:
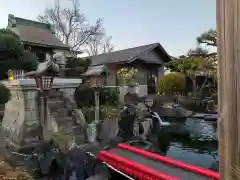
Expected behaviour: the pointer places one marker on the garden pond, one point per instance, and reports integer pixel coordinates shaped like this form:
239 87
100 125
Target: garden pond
192 141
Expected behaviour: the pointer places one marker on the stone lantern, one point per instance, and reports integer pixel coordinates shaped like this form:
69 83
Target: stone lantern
44 76
96 76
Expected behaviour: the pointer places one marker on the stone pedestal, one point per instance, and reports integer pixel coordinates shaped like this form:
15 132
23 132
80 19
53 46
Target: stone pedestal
21 121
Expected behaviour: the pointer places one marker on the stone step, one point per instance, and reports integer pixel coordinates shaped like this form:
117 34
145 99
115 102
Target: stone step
56 102
54 114
64 121
55 94
67 119
62 112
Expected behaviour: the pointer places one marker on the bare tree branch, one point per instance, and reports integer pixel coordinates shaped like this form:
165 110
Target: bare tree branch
98 44
70 25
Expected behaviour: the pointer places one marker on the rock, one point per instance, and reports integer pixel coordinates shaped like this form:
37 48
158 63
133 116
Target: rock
65 116
108 130
98 177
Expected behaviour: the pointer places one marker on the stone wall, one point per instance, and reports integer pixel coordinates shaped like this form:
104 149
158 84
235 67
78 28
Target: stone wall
20 124
21 121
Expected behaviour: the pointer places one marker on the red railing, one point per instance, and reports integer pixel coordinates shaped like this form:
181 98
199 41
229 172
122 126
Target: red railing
139 171
131 168
171 162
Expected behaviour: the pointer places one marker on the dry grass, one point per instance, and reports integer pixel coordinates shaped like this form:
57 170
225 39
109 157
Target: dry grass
9 173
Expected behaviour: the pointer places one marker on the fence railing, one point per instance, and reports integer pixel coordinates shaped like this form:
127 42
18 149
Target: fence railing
18 74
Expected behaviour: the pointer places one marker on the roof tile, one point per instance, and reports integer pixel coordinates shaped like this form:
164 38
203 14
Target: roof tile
38 36
125 55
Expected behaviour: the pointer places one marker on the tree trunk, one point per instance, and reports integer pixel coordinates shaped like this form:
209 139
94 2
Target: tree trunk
194 91
228 30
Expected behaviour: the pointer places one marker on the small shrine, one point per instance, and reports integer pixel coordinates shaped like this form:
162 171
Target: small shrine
37 37
96 75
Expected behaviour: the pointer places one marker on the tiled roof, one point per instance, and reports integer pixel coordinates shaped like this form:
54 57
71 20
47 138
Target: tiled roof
34 33
128 55
37 36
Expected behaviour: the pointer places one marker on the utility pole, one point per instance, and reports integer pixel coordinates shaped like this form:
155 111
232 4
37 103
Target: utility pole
228 32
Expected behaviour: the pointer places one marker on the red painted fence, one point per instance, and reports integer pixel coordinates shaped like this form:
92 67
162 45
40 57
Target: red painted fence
139 171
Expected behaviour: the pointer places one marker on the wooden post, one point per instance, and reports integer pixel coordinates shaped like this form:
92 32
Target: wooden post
228 31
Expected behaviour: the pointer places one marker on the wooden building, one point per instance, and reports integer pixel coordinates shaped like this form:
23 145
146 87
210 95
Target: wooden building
37 37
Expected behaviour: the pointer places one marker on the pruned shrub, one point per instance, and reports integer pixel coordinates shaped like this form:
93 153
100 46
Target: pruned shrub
171 83
77 66
84 96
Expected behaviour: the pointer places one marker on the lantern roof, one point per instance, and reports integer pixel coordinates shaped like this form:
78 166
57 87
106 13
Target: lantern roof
99 70
45 68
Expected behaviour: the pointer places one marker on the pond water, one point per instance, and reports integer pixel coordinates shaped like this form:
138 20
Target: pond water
189 140
197 145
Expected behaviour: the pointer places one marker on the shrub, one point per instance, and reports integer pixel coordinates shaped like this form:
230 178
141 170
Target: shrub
108 100
4 94
29 61
172 82
109 96
105 113
84 96
77 66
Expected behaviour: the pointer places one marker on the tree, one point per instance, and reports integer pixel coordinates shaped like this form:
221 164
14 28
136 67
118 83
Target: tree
209 38
70 24
12 54
128 76
29 61
76 66
98 45
198 51
191 65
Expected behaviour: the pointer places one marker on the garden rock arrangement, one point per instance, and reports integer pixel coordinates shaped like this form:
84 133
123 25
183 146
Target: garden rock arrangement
65 116
187 113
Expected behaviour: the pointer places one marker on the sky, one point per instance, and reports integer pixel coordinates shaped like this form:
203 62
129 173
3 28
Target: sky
175 24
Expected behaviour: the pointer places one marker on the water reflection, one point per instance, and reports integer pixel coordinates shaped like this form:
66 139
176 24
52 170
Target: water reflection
201 129
198 145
